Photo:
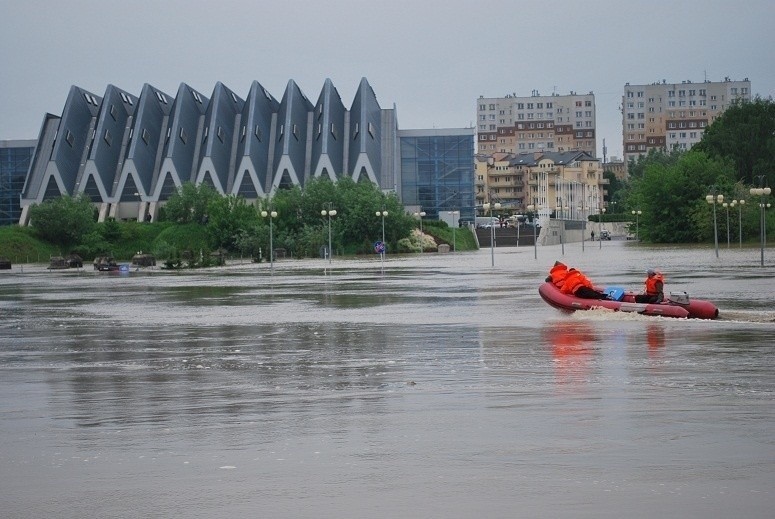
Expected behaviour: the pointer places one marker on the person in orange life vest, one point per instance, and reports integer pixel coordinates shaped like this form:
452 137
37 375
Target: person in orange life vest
580 286
654 288
557 274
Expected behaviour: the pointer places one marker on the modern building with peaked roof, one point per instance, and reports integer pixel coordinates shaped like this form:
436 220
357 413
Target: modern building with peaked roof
129 154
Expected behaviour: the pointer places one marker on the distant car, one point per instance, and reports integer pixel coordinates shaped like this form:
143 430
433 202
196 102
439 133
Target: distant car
605 234
630 236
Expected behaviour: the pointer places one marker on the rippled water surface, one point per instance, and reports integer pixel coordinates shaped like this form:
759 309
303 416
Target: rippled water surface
437 386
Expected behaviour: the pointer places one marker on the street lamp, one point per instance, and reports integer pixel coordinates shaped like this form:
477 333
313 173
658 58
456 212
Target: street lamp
739 203
761 192
725 205
600 226
714 199
272 215
489 207
420 216
532 209
583 227
558 212
637 214
330 212
454 224
383 214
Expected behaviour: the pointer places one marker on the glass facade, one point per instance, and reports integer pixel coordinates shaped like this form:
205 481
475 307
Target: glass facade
14 163
437 173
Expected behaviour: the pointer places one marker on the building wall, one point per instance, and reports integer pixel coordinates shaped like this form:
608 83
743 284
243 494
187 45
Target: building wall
555 123
15 160
667 116
437 171
241 147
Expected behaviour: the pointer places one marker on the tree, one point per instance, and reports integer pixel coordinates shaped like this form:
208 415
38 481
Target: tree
190 203
64 221
228 218
672 197
744 134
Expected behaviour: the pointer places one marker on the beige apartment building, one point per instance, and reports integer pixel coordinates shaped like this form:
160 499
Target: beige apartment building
668 116
553 123
569 183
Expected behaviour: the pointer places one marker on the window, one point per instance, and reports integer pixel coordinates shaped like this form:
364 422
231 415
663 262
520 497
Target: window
161 97
234 97
333 131
589 103
243 134
258 133
197 97
183 135
113 112
282 132
107 137
356 131
295 131
69 138
219 133
482 107
146 136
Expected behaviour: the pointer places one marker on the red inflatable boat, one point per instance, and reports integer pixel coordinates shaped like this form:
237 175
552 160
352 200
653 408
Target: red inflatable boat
675 305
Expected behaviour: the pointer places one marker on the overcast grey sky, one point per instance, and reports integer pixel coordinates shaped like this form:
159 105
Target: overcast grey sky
432 58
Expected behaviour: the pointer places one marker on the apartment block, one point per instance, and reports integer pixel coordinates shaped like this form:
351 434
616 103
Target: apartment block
668 116
551 123
570 182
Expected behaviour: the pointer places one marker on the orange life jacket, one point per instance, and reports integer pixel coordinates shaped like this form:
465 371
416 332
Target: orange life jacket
574 281
558 274
651 284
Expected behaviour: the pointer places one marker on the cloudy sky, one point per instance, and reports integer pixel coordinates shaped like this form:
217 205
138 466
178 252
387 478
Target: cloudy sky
431 58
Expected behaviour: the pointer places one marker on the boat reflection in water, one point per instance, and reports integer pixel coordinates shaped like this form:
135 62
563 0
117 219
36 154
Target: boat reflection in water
572 344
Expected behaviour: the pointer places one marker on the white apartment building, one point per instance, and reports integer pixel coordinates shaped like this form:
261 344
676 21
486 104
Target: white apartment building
670 116
553 123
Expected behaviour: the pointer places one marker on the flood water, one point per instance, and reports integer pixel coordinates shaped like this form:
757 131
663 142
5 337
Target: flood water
437 386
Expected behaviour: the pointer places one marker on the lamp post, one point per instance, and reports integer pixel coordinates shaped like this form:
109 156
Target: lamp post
489 207
600 226
637 214
714 199
532 209
725 205
739 203
761 192
558 214
383 214
272 215
329 213
583 227
454 224
420 216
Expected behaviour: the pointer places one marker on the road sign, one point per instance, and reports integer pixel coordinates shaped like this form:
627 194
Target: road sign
379 247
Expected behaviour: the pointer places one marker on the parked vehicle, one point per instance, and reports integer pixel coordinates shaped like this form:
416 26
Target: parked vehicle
605 234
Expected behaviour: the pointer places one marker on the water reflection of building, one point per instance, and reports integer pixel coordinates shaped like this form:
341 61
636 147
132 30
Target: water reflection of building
130 153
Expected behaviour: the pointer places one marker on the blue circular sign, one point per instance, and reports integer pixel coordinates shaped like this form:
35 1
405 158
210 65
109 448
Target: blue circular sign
379 247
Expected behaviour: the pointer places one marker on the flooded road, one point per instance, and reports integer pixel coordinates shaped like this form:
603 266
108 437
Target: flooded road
437 386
